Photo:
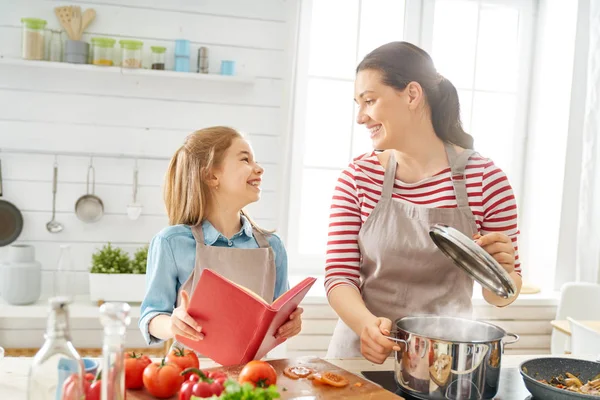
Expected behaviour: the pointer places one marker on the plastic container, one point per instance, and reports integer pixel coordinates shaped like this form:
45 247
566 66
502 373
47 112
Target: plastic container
227 67
182 55
131 53
32 38
102 51
158 57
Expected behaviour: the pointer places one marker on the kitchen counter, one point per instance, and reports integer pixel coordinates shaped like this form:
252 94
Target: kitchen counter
13 370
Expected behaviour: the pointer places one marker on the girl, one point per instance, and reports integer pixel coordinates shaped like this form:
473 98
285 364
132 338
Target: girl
381 263
208 182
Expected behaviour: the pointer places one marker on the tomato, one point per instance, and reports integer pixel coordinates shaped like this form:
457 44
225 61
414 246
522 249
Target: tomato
258 373
297 372
331 379
201 384
94 392
70 387
183 358
134 370
162 379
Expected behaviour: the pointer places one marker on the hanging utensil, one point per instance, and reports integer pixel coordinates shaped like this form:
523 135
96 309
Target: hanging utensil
134 209
89 208
11 219
54 226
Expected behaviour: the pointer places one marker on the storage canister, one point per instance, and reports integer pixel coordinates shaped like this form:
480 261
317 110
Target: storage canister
21 276
158 57
102 51
32 38
131 53
182 55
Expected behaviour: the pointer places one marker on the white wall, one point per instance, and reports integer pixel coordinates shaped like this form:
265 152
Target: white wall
89 111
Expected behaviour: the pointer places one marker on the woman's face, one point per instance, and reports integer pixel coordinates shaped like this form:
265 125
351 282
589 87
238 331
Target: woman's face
384 110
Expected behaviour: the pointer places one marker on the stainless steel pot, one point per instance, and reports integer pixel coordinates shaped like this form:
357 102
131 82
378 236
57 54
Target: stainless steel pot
448 357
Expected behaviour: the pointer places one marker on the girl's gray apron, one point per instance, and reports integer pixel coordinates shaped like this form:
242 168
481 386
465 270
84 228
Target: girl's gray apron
251 268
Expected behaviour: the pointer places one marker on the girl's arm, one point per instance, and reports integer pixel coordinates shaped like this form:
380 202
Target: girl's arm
161 292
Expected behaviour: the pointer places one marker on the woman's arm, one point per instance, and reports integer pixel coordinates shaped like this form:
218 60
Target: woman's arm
499 230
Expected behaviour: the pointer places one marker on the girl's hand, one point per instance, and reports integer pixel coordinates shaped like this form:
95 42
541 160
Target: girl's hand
374 345
181 322
499 246
292 327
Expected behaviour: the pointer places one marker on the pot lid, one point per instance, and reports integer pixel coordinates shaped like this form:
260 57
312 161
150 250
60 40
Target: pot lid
473 259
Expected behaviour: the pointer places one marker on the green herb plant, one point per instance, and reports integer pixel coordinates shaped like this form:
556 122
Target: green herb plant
140 258
235 391
110 260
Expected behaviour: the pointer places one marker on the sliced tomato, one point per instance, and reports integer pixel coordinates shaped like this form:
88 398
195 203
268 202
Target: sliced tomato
297 372
331 379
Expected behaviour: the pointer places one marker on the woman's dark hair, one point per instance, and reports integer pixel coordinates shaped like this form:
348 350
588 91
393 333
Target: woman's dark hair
401 63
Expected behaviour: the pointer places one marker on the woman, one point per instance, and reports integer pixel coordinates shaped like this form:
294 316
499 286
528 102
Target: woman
381 263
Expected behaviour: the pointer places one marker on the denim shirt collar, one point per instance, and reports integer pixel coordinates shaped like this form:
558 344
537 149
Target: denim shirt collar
211 234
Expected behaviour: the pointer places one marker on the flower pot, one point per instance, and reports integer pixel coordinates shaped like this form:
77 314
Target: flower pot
117 287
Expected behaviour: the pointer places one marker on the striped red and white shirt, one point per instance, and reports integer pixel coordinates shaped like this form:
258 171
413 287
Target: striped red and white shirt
359 189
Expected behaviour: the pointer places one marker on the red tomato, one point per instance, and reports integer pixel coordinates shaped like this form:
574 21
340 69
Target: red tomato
162 379
70 390
183 358
201 384
258 373
94 391
134 370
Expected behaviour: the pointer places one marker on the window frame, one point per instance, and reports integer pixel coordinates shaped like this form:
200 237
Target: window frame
418 29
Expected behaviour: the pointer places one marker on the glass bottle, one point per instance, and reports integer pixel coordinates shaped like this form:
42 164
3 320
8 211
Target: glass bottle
64 276
57 361
115 319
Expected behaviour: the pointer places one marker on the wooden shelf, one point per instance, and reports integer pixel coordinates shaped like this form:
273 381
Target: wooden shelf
128 71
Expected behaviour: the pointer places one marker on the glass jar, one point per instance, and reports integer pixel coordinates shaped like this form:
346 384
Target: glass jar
64 275
32 38
102 51
55 46
131 53
158 57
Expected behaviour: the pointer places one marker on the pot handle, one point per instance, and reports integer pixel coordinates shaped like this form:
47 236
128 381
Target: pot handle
398 340
515 336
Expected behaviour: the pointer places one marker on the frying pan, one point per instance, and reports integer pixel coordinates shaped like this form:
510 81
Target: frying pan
11 219
546 368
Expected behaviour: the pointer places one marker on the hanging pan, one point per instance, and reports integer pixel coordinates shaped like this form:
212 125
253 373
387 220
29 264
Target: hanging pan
11 219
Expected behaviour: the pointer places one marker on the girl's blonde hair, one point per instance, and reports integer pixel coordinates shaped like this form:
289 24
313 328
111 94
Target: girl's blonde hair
186 193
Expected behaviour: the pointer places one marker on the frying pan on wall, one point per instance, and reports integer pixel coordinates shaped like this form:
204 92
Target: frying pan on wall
11 219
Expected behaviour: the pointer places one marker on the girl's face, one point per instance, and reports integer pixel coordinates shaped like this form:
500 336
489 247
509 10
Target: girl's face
384 110
238 178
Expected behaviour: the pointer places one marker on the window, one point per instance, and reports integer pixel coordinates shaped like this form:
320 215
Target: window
481 46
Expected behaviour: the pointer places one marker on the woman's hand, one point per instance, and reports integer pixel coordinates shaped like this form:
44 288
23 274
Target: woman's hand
499 246
374 345
292 327
182 323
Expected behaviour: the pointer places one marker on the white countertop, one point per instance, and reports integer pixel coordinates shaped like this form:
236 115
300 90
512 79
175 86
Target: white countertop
83 307
13 370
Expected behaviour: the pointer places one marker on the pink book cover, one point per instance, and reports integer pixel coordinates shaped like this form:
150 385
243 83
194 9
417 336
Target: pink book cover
238 325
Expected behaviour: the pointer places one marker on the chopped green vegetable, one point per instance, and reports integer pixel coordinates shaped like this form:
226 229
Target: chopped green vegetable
235 391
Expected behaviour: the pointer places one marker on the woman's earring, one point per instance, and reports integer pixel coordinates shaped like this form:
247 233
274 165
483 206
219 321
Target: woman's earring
217 187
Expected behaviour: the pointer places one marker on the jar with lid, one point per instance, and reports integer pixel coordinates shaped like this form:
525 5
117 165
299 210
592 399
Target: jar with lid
32 38
102 51
158 57
131 53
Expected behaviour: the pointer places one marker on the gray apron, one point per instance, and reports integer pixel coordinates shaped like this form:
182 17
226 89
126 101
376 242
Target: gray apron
402 272
251 268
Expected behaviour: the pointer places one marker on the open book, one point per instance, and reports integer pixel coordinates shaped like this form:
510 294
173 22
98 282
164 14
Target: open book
238 325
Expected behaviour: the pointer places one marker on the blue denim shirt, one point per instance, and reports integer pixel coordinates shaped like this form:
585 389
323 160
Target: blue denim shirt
171 259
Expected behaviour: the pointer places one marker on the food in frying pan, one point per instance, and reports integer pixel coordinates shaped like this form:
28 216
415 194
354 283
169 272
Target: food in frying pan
574 384
440 370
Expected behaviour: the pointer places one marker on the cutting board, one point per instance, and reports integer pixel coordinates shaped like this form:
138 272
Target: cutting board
305 389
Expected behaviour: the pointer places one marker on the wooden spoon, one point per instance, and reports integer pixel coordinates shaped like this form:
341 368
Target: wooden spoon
86 20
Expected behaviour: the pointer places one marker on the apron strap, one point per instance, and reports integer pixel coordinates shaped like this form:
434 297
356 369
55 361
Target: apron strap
458 165
389 177
198 234
260 239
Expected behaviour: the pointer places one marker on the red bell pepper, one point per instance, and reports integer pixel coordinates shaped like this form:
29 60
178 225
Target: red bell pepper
201 384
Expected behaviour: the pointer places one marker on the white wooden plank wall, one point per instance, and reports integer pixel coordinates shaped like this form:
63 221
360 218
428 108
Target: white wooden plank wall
53 109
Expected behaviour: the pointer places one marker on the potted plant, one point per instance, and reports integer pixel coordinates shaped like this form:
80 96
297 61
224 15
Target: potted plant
116 277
